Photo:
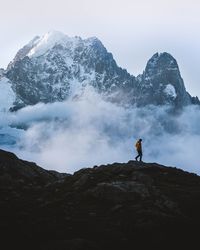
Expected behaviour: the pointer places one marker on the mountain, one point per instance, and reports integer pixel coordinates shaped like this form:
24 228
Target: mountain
116 206
162 82
55 67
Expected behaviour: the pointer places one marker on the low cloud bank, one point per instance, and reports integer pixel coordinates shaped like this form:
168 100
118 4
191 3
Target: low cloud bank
88 131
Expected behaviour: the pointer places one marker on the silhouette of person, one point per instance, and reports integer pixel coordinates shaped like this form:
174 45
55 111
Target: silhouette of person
138 146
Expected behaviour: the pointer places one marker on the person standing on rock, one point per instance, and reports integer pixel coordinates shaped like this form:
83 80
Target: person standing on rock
138 146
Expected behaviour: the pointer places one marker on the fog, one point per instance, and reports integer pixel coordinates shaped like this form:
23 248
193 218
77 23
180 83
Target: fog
89 131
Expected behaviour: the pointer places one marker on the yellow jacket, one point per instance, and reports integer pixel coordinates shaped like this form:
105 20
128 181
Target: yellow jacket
138 146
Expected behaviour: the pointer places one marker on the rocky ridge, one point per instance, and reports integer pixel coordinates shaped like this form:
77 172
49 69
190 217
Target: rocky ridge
115 206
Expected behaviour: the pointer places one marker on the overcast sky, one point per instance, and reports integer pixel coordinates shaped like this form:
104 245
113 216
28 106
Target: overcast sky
133 30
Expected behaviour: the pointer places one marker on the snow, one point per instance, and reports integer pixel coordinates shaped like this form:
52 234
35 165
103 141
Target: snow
170 91
46 42
34 41
63 68
50 39
7 96
90 41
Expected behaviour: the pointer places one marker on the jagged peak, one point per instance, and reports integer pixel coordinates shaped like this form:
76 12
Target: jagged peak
93 39
24 51
46 42
40 45
51 38
160 61
95 43
163 56
33 41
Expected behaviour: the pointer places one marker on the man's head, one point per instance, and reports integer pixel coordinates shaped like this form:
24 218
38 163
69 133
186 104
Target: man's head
140 140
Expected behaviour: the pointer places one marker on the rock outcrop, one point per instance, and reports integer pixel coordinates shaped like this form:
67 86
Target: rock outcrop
117 206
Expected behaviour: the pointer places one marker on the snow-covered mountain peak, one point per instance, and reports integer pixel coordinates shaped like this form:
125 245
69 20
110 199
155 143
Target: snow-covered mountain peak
52 38
46 42
56 66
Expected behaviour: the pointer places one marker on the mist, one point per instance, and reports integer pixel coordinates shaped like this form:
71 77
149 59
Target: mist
88 131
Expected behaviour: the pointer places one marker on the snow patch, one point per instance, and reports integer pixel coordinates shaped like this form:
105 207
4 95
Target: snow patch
50 39
170 91
7 96
46 42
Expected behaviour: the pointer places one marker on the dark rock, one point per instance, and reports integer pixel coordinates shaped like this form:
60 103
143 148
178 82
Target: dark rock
18 171
116 206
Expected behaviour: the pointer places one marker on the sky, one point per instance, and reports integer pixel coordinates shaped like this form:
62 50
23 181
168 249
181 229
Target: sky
132 30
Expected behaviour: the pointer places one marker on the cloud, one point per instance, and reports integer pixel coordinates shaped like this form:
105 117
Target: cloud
89 131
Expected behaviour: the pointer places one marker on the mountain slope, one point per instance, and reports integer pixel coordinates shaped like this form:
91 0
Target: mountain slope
7 95
56 67
113 206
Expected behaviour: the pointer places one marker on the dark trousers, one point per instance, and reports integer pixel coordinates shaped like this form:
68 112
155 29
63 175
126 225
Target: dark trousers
139 155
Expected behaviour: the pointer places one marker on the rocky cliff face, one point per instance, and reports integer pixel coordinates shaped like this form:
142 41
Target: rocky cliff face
162 82
56 67
116 206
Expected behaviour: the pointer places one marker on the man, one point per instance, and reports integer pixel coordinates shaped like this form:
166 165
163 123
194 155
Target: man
138 146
